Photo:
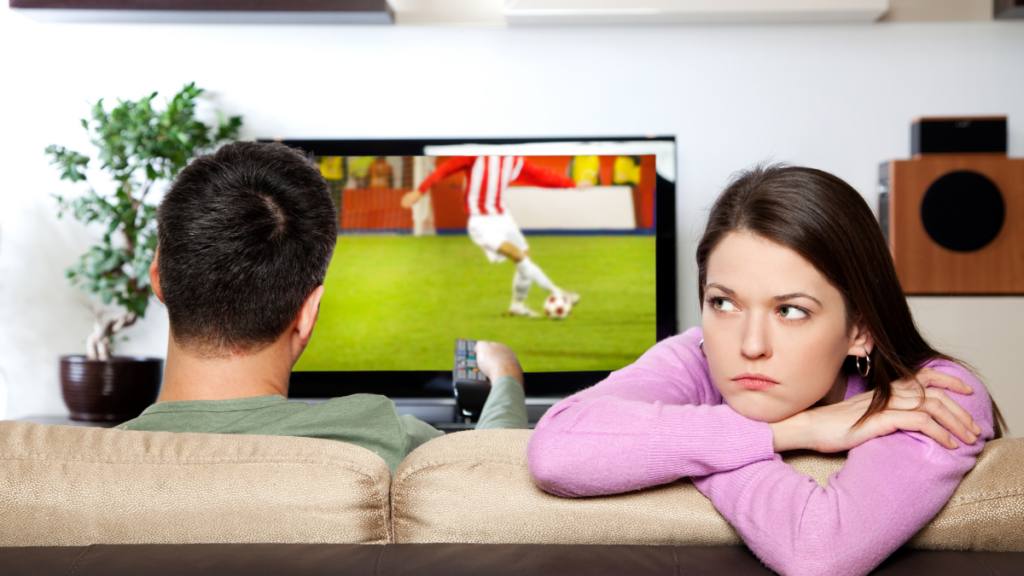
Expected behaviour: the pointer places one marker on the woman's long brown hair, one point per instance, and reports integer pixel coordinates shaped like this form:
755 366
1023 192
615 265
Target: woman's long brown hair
827 222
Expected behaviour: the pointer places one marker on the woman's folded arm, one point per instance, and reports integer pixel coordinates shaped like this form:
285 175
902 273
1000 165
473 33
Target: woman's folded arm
887 490
652 422
607 445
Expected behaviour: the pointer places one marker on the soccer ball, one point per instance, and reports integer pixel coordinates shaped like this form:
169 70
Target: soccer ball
557 307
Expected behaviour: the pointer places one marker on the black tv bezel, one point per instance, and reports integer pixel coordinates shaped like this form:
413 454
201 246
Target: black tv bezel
438 384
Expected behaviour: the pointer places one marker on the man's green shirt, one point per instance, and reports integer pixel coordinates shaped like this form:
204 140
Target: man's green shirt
366 420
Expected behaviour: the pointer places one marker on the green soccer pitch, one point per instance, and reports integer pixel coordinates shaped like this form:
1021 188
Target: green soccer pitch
399 303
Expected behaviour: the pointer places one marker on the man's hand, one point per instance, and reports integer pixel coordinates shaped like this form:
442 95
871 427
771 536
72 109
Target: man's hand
496 360
410 198
918 404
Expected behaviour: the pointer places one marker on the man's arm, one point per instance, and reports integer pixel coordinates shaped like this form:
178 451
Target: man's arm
534 175
505 406
506 403
447 168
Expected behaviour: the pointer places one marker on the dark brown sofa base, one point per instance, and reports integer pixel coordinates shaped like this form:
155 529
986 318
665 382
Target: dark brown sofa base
450 559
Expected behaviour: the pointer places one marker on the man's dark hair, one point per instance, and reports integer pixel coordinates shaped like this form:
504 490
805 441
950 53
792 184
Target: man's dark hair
245 235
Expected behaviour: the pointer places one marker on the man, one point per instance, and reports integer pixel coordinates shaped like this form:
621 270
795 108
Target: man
491 226
245 238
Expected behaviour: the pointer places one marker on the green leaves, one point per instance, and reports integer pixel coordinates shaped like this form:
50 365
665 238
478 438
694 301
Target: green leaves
227 128
134 135
71 163
114 275
138 145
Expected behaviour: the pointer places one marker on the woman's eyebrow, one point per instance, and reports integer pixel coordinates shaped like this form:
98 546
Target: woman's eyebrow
722 288
796 295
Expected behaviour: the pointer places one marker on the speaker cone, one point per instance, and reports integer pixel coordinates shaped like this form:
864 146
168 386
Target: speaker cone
963 211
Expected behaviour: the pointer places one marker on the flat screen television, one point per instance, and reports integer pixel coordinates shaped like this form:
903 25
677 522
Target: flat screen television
412 272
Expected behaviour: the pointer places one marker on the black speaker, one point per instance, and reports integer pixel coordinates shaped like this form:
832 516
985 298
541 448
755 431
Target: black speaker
958 135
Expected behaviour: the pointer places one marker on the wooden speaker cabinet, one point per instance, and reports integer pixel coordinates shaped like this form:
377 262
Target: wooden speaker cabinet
955 222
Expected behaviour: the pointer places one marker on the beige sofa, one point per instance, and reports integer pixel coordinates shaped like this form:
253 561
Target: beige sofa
72 486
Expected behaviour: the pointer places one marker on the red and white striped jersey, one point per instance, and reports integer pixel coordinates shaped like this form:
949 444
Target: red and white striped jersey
488 177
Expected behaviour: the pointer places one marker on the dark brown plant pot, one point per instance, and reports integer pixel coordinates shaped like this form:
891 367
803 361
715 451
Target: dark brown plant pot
111 391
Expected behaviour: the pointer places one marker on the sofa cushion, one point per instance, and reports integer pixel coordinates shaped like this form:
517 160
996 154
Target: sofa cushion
475 487
68 486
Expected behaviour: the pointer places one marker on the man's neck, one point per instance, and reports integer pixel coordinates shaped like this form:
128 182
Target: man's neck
188 376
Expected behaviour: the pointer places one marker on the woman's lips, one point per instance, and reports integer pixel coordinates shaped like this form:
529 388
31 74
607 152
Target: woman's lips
754 381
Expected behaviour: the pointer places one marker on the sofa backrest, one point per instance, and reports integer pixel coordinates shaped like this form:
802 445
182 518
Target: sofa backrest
480 490
68 486
476 487
987 510
72 486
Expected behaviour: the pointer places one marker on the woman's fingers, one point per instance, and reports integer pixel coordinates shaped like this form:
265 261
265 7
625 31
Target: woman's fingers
918 397
932 380
937 411
915 421
932 429
928 377
941 414
957 410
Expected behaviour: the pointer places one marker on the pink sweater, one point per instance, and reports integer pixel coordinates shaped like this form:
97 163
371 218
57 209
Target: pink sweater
661 419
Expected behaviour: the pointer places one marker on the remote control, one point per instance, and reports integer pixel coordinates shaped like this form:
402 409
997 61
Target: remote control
470 384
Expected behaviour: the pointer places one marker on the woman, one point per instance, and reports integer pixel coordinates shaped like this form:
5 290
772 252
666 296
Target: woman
806 342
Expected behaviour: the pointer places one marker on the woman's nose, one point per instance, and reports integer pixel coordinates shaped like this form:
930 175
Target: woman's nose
755 339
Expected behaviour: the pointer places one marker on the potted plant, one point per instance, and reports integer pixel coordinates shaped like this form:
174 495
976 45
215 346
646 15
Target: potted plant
138 147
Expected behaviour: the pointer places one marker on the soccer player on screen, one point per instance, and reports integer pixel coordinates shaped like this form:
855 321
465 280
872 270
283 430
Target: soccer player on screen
491 226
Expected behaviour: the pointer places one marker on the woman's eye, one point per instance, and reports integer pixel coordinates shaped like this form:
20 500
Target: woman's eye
791 312
722 304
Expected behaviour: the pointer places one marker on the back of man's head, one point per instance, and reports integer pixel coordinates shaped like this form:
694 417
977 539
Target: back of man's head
245 235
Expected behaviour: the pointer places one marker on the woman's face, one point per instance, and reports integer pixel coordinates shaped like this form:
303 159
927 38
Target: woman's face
775 330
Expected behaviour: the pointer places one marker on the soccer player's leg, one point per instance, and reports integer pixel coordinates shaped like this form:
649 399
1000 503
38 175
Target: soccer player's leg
517 250
486 233
490 233
521 282
520 290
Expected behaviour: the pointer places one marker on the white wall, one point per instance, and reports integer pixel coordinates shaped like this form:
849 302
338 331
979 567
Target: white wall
839 98
987 333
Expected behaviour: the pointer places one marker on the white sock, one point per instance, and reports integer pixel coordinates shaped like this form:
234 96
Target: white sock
533 272
520 286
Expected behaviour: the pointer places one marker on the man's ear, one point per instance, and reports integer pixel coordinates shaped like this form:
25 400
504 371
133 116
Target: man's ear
861 340
154 277
308 314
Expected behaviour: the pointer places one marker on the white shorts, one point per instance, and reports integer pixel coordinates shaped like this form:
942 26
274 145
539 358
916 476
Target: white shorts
490 232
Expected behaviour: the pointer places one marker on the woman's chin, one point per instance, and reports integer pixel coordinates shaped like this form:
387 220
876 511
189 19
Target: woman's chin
760 411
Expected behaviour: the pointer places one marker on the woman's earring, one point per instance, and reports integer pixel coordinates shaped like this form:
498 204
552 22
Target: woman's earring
865 371
701 346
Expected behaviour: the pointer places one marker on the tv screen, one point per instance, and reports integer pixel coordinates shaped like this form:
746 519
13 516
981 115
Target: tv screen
564 249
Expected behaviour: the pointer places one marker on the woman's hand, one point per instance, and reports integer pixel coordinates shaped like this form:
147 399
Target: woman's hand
830 428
